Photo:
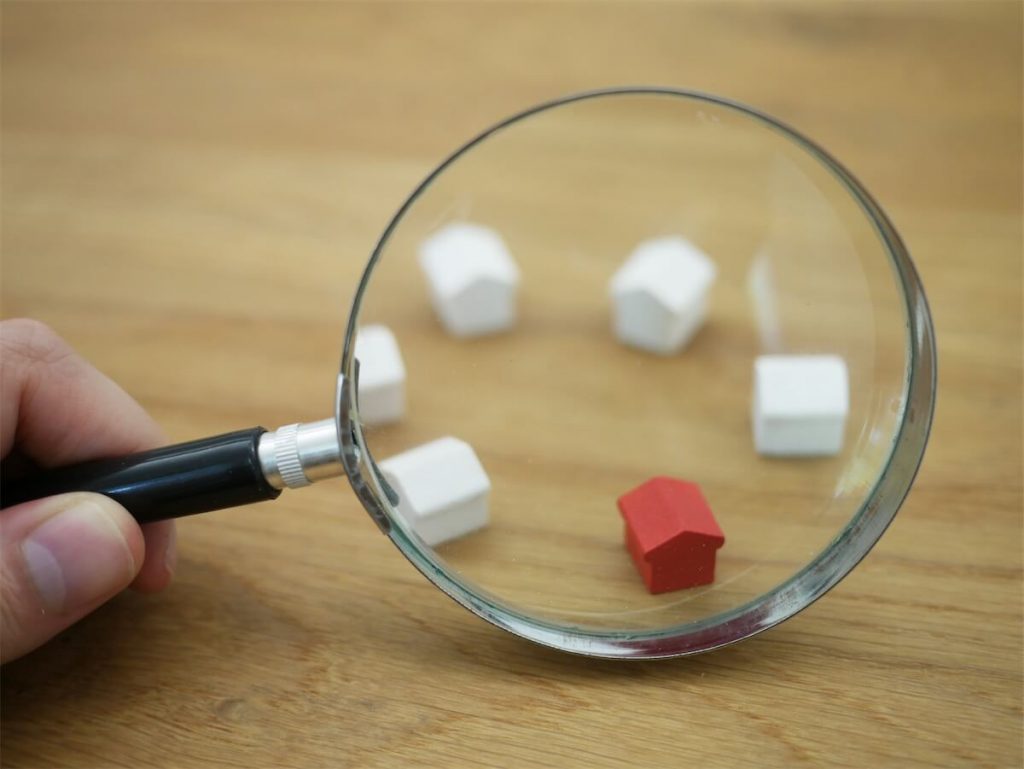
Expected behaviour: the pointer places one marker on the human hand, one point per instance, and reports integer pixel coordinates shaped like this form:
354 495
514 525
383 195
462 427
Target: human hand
63 556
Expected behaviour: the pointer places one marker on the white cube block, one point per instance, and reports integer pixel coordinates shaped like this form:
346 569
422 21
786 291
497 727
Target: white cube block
442 489
800 404
473 279
660 294
381 376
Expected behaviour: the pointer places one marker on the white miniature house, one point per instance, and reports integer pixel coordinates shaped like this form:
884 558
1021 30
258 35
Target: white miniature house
660 295
800 404
381 376
442 489
472 278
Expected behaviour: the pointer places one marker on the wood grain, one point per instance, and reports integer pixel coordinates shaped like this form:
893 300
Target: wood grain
189 192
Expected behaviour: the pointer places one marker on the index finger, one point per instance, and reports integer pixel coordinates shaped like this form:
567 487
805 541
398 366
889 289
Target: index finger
57 408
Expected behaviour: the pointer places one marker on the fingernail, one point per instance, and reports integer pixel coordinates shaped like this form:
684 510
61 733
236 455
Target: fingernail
77 557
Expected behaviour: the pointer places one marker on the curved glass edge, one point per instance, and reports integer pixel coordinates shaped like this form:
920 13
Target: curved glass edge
766 611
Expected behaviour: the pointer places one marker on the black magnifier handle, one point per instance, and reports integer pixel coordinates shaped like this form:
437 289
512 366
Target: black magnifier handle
228 470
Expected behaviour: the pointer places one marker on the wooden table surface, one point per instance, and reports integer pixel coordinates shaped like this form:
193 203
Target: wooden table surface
188 193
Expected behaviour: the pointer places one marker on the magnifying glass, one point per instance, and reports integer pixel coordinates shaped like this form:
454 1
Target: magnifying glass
661 373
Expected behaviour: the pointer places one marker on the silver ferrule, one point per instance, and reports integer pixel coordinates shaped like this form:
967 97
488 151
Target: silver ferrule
297 455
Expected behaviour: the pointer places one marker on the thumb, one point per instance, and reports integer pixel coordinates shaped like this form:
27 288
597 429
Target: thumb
61 558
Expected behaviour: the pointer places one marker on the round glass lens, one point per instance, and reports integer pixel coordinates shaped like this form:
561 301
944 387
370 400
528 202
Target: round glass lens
655 355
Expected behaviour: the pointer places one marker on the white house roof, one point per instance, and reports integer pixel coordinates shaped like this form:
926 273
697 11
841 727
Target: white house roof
435 476
461 254
671 270
801 386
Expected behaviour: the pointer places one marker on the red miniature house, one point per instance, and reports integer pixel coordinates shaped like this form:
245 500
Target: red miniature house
671 534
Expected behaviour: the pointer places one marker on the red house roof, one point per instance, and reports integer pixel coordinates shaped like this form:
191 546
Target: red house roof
663 509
